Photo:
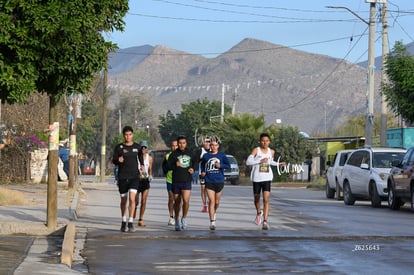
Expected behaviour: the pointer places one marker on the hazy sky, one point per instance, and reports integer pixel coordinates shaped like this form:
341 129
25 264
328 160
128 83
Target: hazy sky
211 27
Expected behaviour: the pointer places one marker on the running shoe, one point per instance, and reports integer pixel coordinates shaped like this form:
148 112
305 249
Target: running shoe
177 225
123 227
131 228
184 224
171 221
258 219
213 225
204 209
265 225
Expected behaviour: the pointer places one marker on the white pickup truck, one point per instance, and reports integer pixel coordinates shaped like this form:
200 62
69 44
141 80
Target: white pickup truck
334 174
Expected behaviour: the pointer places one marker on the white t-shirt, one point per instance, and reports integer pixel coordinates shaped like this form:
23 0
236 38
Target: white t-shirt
262 171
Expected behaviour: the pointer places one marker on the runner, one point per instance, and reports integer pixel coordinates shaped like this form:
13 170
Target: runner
212 170
261 158
126 156
182 162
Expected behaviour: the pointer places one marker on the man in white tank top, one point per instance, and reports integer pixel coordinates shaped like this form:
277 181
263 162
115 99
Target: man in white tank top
261 158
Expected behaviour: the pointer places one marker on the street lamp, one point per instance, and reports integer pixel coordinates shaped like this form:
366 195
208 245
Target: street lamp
148 130
371 65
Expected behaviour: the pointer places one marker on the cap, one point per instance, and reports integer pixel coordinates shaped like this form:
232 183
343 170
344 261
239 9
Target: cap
143 143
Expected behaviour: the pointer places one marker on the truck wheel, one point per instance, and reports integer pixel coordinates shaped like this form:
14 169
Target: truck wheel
393 202
338 191
330 192
375 198
348 197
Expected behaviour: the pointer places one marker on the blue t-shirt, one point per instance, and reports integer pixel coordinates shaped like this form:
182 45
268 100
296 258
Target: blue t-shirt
208 165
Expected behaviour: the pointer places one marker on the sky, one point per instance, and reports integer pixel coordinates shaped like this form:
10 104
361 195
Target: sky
212 27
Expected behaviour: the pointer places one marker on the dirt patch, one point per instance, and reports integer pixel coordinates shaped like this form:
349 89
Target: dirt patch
33 194
11 197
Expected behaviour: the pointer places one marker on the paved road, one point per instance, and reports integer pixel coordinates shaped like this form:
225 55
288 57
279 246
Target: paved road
309 234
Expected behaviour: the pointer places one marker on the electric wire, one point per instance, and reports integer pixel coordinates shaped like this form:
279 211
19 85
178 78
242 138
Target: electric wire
317 89
295 20
243 51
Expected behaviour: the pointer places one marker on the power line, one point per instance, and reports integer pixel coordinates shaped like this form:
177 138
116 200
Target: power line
316 91
228 11
294 20
244 51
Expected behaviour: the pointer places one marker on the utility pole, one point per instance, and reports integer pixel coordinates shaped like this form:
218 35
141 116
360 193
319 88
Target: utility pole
233 107
104 125
222 102
384 107
371 71
371 65
120 121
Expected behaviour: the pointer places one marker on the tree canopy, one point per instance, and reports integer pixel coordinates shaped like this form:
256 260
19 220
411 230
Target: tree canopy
193 118
399 89
54 47
238 134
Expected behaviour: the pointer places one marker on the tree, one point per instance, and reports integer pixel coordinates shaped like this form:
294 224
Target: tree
399 90
238 134
355 126
32 118
191 121
135 112
54 47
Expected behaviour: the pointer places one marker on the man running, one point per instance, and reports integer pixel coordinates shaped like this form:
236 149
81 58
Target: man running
183 164
128 158
261 158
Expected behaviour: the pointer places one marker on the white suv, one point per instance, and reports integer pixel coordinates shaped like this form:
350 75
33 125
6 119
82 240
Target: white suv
334 174
366 172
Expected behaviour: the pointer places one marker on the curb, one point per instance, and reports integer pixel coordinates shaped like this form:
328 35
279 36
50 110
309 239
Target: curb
68 245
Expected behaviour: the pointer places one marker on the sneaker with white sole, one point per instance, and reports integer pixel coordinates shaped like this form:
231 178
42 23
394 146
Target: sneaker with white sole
177 225
184 224
123 227
131 228
213 225
171 221
258 219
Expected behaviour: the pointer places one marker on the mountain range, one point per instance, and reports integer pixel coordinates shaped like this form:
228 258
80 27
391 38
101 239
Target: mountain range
311 91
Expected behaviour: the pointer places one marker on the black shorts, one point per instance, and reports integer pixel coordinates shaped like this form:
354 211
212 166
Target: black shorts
125 185
216 187
143 185
261 186
180 186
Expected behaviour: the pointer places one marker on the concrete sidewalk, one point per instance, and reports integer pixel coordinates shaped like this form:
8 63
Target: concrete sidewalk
27 246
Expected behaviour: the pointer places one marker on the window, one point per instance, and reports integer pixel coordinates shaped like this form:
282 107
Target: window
356 158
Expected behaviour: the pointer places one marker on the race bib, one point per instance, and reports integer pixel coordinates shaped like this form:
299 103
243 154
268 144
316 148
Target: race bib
264 168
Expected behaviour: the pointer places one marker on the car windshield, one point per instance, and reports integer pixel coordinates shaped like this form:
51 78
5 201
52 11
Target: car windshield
232 160
385 159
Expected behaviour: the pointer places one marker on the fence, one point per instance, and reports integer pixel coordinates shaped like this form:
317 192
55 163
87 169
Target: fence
14 166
